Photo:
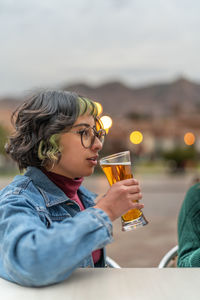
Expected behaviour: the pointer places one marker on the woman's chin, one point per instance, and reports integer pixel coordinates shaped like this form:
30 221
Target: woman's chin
89 172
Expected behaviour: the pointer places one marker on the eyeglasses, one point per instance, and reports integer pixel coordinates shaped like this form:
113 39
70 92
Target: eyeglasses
88 135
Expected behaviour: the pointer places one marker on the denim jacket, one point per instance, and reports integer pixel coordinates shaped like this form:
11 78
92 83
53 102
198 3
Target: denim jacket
43 234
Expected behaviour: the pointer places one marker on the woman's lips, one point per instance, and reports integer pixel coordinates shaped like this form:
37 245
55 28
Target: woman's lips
93 160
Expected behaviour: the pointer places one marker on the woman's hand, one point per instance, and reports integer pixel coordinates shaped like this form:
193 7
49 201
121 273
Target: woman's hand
121 197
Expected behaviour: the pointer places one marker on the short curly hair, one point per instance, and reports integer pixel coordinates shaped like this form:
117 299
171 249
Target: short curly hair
38 123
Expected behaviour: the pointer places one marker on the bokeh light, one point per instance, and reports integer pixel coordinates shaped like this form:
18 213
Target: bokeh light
107 122
136 137
99 108
189 138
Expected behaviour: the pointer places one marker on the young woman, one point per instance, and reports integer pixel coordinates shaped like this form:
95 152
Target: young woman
49 223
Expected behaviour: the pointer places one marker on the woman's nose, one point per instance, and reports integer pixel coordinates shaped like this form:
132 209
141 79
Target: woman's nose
97 144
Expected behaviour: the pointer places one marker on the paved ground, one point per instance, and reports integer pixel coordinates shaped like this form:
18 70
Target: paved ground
144 247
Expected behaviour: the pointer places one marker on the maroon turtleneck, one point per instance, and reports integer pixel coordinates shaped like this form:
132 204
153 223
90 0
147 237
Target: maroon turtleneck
70 187
67 185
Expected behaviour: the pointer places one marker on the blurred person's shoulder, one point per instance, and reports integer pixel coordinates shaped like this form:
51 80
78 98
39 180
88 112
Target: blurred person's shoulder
195 188
192 198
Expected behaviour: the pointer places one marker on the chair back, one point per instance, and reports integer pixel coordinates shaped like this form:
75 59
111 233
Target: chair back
111 263
169 259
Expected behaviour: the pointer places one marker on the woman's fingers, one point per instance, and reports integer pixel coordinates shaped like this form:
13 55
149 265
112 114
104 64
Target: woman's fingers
136 205
128 182
134 189
121 197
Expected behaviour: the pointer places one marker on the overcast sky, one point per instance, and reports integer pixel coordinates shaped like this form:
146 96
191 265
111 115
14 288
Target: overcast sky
48 43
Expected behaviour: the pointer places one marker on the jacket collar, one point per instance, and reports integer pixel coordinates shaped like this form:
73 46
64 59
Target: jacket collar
52 194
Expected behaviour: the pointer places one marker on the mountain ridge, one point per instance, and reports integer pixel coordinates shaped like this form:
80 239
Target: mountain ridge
157 99
119 99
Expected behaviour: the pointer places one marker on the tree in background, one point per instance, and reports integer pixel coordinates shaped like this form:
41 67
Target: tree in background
180 157
3 138
7 165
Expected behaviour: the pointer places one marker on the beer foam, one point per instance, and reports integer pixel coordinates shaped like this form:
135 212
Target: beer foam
128 163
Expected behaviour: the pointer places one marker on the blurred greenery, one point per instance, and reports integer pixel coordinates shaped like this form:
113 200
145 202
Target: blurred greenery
181 157
8 172
7 166
3 139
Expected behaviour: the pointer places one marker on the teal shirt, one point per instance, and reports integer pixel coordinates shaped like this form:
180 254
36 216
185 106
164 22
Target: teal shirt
189 229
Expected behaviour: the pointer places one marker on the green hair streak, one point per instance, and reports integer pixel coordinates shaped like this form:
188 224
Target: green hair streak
49 152
87 106
50 149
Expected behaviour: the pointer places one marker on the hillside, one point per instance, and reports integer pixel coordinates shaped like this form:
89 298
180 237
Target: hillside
180 97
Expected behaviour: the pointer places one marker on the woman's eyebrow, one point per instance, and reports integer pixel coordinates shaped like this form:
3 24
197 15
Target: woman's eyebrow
82 124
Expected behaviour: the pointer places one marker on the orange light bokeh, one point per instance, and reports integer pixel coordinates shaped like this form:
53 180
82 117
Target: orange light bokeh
99 108
107 122
189 138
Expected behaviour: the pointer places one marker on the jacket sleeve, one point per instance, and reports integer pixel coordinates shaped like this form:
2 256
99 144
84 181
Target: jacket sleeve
34 255
192 259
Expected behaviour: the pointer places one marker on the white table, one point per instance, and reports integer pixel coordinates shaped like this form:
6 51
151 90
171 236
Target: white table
114 284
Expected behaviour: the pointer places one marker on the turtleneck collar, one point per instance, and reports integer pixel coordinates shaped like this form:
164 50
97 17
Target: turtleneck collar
67 185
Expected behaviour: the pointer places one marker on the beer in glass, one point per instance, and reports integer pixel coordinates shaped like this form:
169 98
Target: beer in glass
118 167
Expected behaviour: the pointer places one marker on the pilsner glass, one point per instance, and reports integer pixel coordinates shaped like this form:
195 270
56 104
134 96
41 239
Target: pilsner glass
118 167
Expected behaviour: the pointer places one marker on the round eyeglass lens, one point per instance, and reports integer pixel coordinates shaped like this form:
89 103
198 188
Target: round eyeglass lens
88 137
